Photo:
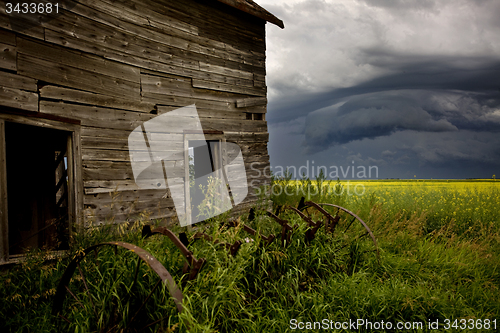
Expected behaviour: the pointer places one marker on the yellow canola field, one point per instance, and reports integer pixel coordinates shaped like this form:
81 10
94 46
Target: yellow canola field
465 201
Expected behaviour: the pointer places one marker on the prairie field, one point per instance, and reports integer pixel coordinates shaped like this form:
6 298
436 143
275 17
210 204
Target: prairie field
461 204
435 267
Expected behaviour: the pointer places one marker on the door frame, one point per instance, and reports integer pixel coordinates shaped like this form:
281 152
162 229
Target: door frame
75 184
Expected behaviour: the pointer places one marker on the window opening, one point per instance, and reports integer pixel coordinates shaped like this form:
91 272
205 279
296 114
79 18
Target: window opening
205 157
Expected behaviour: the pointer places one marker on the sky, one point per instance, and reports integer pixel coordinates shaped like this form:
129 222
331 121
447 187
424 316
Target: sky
411 87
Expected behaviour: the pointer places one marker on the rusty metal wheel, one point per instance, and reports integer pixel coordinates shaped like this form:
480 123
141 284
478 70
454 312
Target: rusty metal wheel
116 287
351 236
350 231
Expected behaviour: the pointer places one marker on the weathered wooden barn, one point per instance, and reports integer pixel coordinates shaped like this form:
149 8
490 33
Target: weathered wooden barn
75 84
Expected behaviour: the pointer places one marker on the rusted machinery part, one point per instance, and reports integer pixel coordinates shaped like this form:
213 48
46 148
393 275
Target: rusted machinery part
286 229
331 221
301 206
309 220
313 226
193 265
232 248
144 255
267 240
357 218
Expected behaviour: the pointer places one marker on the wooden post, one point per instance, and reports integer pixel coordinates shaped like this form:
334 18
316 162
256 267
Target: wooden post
187 191
4 218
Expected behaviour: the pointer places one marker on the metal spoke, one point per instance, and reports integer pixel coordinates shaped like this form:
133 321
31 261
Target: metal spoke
64 318
136 273
153 323
143 303
87 288
350 223
74 296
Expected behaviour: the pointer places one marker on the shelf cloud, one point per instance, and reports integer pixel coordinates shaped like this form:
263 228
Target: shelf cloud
357 78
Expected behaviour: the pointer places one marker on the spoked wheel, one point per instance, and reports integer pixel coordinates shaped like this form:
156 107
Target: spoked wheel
352 235
116 287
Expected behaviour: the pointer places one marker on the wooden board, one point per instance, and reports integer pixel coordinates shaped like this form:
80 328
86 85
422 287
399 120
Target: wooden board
207 113
210 85
87 62
117 174
131 16
158 89
225 71
233 125
108 218
89 98
76 78
18 82
7 37
120 165
124 156
155 139
8 55
18 99
97 132
33 118
34 30
140 204
97 199
246 137
94 116
106 186
154 17
246 102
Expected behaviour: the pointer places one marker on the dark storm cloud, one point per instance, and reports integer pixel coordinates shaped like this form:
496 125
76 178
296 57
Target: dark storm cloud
477 75
369 116
433 94
413 86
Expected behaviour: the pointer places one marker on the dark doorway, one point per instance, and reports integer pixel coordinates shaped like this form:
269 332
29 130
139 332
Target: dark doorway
37 187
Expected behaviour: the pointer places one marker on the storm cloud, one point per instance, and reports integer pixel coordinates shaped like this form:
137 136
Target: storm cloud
369 116
358 78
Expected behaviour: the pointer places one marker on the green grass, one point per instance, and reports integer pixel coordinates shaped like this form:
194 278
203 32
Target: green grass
439 259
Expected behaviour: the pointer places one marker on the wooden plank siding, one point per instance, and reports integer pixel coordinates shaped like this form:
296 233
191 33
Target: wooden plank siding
112 65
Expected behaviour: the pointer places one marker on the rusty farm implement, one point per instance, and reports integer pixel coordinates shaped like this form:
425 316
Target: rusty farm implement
117 285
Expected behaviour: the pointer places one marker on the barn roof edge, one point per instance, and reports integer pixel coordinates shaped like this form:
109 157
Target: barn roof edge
252 8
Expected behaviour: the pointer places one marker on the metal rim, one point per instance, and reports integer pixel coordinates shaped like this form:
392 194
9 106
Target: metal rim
143 256
357 218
